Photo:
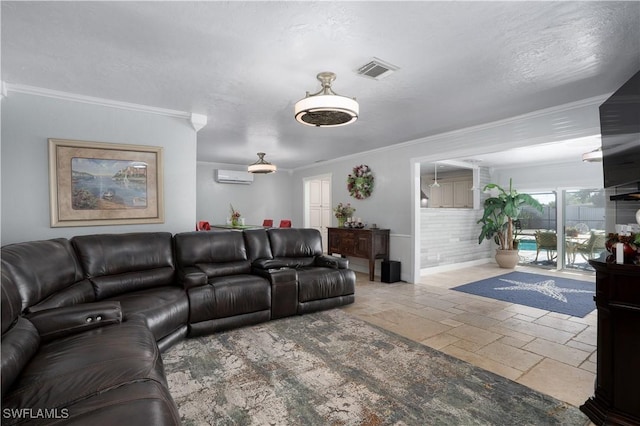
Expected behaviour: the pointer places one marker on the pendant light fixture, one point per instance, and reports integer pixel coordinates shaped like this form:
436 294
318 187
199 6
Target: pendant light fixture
326 108
435 183
261 166
423 199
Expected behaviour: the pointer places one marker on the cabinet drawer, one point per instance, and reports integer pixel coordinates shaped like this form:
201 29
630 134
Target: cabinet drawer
362 246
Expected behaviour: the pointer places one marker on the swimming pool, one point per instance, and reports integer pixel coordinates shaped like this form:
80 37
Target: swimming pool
527 245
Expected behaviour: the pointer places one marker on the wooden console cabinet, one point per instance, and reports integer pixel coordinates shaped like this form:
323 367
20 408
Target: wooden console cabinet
365 243
617 393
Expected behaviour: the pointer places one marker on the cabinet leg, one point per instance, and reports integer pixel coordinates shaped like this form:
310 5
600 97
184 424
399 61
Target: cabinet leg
372 269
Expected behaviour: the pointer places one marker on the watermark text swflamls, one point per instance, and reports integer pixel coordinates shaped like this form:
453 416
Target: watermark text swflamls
35 413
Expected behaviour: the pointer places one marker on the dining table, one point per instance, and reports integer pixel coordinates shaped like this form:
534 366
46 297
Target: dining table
236 227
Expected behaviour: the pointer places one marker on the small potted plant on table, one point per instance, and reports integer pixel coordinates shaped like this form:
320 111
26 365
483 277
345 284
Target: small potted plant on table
234 218
342 212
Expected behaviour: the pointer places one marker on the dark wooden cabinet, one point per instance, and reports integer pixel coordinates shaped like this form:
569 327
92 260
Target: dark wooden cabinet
616 400
366 243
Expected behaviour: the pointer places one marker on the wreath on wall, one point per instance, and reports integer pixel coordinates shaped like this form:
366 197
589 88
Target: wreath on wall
360 183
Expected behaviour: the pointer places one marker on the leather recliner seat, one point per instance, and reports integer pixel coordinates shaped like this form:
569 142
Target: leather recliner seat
59 367
138 270
323 282
216 272
47 274
67 342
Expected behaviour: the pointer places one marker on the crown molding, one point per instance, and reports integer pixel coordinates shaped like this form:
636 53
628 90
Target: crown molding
198 121
56 94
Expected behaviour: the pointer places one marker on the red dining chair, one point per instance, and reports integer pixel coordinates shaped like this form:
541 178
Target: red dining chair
267 223
203 226
285 223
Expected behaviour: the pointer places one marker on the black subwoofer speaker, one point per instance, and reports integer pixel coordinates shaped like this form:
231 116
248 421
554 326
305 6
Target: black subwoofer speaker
390 271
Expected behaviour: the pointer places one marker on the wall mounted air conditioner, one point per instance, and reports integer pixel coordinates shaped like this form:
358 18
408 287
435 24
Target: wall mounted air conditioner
233 176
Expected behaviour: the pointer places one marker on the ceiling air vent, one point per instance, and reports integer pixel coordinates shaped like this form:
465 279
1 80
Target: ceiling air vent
377 69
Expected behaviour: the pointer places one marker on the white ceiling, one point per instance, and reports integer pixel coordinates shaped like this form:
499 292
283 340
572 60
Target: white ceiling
245 64
568 151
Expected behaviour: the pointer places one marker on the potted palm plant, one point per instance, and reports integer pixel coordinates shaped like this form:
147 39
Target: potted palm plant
497 221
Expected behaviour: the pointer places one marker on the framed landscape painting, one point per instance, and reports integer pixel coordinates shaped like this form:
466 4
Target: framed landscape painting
93 183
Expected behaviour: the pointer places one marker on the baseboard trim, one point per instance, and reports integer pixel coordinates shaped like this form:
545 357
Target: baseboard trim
453 266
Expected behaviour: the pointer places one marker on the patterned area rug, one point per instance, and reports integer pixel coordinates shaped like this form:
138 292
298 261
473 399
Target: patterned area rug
556 294
329 368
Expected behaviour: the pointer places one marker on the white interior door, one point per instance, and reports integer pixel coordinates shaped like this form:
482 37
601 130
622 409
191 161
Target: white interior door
319 206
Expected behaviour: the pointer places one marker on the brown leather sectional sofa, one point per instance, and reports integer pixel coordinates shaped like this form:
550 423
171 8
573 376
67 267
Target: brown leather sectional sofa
84 320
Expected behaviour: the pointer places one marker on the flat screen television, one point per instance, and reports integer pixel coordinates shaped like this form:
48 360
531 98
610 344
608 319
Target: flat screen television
620 129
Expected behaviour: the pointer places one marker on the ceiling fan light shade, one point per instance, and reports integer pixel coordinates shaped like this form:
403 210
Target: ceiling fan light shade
261 166
325 108
326 111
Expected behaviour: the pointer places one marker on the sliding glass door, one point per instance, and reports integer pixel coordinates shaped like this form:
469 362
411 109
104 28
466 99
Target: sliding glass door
584 227
537 241
580 236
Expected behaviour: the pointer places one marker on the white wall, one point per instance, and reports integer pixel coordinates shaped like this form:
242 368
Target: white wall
387 206
268 197
29 120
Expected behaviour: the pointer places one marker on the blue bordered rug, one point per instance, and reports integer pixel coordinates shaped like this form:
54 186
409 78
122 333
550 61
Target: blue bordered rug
562 295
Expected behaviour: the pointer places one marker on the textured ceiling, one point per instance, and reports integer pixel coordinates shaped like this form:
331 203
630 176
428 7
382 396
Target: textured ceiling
245 64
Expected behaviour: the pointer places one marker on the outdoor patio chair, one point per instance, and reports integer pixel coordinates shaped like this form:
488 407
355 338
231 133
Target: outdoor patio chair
582 228
546 241
592 247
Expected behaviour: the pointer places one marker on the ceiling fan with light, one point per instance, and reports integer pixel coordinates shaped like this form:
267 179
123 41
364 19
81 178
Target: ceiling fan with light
261 166
326 108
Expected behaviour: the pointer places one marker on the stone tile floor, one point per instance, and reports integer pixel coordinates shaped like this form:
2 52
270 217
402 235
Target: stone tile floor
552 353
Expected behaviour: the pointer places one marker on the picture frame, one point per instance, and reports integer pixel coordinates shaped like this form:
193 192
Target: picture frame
96 183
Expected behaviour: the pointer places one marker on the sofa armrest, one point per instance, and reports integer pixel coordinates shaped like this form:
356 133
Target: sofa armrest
60 322
284 290
332 262
191 277
266 264
276 275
